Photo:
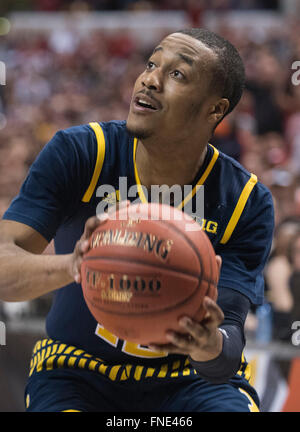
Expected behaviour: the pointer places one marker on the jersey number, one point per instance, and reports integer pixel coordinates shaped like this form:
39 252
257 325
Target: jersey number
129 348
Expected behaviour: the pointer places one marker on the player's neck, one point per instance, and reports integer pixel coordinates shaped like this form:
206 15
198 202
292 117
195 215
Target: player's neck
159 165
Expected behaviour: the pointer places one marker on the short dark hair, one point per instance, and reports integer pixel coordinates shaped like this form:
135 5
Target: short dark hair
229 73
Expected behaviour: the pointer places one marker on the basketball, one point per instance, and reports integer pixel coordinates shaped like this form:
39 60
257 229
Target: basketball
148 265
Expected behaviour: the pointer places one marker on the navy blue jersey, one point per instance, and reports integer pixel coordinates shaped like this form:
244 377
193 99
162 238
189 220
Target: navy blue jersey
63 189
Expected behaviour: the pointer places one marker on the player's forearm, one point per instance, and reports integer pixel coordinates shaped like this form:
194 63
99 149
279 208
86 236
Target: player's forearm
225 366
220 369
25 276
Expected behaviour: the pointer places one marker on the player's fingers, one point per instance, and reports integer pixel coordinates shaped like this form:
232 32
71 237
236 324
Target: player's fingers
196 330
93 222
77 274
214 316
219 262
81 247
90 226
77 277
168 349
183 341
102 217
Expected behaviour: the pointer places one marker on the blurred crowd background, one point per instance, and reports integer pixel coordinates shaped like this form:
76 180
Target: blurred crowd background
67 5
61 78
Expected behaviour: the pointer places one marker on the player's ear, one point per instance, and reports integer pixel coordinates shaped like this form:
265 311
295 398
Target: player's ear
218 110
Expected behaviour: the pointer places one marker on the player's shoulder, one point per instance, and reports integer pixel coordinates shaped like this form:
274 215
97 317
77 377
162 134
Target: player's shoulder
78 131
235 178
231 165
87 140
116 136
246 205
72 140
80 134
247 201
114 127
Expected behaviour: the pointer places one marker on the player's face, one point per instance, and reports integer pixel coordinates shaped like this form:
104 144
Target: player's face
172 97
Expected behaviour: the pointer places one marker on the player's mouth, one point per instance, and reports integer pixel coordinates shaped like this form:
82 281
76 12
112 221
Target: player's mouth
145 104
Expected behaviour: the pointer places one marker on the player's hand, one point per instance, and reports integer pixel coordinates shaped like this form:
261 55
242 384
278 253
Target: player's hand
201 341
82 246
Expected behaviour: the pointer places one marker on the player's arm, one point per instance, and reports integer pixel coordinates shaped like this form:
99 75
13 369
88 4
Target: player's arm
215 345
235 307
26 273
49 195
241 282
243 260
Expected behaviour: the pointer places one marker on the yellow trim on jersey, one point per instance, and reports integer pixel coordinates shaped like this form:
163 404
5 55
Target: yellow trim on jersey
202 178
137 179
126 372
248 372
137 351
70 410
72 357
138 372
163 371
252 405
195 188
113 372
239 208
253 366
245 369
99 161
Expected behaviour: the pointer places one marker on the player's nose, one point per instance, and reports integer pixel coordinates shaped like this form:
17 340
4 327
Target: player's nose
153 80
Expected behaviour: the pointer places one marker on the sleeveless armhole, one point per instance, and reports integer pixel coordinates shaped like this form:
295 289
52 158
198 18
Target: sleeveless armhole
239 208
99 161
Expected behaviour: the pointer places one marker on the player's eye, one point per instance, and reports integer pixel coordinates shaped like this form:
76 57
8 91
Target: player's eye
177 74
150 65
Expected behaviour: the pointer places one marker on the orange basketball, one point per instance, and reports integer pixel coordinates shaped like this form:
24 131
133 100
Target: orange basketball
145 269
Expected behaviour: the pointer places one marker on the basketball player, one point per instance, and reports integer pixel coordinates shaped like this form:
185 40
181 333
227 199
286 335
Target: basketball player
192 80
